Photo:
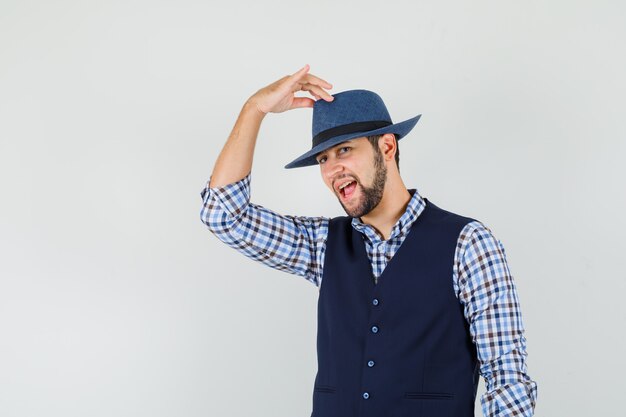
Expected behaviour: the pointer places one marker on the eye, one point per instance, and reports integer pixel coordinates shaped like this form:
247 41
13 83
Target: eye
322 159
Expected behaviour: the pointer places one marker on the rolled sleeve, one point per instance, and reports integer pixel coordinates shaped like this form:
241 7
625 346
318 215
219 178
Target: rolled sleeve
231 198
222 206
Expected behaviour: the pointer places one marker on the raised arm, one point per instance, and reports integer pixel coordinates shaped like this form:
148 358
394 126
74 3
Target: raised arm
293 244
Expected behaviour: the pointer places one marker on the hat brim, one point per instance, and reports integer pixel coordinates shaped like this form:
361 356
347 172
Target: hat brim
400 129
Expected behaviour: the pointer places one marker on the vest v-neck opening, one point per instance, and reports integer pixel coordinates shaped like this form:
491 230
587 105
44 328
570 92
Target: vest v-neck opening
360 243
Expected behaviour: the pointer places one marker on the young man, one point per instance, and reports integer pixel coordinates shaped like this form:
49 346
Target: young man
415 302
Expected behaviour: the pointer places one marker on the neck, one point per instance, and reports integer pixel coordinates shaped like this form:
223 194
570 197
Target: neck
393 204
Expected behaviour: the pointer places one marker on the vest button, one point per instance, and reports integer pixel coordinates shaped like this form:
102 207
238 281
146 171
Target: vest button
375 301
366 395
370 363
374 329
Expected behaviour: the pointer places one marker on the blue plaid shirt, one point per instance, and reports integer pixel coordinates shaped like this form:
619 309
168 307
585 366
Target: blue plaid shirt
481 278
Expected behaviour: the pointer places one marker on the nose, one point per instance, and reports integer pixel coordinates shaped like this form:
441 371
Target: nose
331 168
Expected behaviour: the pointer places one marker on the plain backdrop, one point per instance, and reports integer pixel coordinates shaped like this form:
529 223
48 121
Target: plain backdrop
116 300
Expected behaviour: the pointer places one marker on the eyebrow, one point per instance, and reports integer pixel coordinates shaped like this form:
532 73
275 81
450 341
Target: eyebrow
339 146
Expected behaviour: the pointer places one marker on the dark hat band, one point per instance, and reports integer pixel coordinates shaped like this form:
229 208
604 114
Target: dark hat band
323 136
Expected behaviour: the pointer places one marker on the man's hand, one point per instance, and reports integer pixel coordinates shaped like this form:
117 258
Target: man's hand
280 95
235 160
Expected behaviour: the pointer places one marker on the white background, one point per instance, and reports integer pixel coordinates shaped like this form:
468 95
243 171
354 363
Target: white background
115 300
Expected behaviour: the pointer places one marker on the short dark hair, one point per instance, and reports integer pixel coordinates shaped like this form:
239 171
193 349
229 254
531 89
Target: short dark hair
374 142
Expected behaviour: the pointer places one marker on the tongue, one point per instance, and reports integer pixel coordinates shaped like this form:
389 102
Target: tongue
349 189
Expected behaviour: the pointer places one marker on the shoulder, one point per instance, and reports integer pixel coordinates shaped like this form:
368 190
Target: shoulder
340 221
477 242
472 233
341 229
440 216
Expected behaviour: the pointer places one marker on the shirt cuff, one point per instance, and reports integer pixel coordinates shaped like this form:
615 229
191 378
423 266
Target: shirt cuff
232 198
516 399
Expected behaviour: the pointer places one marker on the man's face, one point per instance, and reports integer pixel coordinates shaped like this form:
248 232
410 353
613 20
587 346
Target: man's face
357 163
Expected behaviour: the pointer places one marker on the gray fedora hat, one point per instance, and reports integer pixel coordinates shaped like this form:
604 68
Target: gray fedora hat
352 114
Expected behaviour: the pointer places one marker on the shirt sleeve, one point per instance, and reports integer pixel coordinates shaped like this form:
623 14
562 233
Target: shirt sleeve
293 244
491 306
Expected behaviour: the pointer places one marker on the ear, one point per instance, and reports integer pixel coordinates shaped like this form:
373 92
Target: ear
387 145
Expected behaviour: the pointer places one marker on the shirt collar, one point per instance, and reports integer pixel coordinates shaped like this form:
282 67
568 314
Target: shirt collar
413 210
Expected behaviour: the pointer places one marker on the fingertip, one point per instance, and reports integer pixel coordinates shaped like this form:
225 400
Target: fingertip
301 71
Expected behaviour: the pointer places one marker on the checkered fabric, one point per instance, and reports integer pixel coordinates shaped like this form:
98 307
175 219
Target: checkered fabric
481 278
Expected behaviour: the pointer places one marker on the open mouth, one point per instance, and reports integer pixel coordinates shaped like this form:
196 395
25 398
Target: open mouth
347 190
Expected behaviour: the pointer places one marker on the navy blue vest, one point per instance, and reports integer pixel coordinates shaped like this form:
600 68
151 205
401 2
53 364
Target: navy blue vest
400 347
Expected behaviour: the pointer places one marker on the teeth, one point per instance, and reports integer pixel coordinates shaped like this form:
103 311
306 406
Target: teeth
342 186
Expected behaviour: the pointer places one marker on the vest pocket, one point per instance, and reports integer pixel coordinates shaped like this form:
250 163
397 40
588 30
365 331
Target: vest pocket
325 401
324 388
428 404
429 395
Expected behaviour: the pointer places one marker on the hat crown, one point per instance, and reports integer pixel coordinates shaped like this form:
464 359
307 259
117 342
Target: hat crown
352 114
351 106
